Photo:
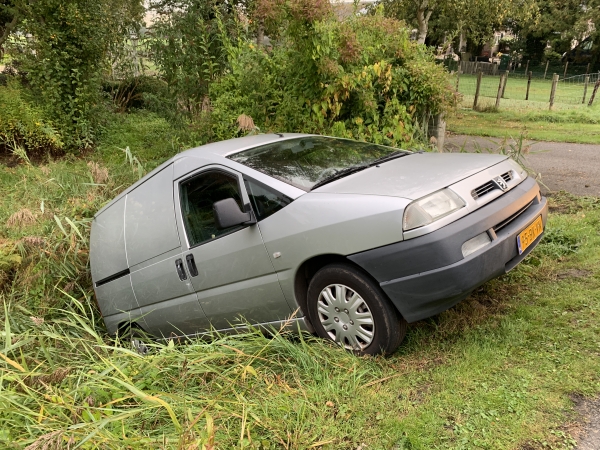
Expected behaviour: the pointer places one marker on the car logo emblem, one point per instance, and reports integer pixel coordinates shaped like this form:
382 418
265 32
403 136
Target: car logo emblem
501 183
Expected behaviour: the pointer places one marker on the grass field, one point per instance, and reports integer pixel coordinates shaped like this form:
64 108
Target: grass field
569 121
499 371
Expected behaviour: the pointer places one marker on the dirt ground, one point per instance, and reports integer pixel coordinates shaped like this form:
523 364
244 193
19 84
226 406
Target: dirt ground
587 429
574 168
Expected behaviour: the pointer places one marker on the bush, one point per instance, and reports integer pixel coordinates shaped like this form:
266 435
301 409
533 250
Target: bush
361 79
141 92
23 125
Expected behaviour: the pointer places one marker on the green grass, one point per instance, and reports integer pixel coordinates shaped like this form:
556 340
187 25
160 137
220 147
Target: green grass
575 126
569 121
496 372
567 93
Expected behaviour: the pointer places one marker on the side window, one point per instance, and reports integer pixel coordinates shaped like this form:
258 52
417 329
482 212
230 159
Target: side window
198 194
265 201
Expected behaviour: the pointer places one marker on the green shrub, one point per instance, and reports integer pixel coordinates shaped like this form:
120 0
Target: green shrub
134 92
361 79
23 125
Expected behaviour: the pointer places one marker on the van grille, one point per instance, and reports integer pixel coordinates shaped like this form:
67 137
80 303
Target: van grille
509 219
490 186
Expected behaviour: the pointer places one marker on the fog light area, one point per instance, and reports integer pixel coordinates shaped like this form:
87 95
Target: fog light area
472 245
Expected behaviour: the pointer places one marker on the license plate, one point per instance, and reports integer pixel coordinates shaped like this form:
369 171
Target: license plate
529 234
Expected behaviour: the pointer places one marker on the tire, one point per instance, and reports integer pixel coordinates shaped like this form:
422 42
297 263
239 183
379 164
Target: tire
364 322
135 338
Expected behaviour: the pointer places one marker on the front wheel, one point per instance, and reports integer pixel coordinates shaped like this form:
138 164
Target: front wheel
346 306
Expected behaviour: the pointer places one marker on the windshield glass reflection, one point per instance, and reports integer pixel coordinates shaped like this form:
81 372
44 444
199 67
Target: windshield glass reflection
304 162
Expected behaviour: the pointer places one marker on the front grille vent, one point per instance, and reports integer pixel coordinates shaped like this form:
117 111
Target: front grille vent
490 186
508 220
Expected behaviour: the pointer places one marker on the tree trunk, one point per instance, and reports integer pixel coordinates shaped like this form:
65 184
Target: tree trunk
423 15
260 33
9 28
462 43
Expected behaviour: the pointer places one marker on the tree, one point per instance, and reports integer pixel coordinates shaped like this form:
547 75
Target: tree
417 12
68 51
10 17
475 19
187 46
560 22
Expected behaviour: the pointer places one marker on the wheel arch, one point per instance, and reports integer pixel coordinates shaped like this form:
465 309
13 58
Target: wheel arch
311 266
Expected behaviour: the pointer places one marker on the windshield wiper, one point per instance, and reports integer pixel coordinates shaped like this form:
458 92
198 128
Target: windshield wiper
352 169
340 174
393 155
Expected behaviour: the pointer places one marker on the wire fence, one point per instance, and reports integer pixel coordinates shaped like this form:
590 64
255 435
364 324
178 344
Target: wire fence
538 93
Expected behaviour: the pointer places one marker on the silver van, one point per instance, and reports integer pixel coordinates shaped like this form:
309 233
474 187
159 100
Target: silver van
346 239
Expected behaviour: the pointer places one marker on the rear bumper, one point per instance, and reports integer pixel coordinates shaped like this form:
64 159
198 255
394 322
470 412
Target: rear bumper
427 275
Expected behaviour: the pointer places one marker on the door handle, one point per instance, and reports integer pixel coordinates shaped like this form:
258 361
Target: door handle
180 269
191 265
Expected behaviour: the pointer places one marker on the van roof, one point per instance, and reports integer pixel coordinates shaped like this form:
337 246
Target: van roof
215 151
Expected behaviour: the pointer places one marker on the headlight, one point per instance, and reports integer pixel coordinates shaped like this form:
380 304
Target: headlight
431 208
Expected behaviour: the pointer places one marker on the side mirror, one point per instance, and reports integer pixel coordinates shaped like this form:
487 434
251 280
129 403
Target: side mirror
228 214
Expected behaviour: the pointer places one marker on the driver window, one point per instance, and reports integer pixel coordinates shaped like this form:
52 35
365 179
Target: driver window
198 194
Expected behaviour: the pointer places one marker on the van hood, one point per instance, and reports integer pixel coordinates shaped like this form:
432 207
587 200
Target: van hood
413 176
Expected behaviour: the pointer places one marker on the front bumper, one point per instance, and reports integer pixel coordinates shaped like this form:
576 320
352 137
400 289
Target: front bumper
427 275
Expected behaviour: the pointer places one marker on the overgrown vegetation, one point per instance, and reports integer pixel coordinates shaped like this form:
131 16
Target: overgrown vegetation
495 372
361 77
64 59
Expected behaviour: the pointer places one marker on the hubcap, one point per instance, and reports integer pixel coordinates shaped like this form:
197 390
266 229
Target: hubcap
346 317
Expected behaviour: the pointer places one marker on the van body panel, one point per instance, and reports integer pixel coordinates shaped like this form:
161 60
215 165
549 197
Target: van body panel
150 219
107 242
116 296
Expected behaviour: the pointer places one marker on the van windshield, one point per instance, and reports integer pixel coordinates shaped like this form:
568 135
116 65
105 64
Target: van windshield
308 161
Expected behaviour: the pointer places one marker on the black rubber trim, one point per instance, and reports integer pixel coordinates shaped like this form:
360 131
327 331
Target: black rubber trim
191 265
428 293
114 277
442 247
180 269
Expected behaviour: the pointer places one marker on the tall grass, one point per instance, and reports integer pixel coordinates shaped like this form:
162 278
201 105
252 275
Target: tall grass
495 372
63 382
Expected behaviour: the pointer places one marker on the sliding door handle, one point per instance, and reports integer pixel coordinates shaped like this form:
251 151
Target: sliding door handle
180 269
191 265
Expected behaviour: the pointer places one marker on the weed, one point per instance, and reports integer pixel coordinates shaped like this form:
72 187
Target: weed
559 242
22 218
133 161
99 174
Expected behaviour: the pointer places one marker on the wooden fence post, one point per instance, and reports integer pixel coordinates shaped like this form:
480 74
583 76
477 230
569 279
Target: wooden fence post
499 94
546 71
553 90
585 86
528 85
505 80
479 75
596 86
566 67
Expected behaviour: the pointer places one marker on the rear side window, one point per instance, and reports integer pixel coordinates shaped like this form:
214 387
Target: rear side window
265 200
198 194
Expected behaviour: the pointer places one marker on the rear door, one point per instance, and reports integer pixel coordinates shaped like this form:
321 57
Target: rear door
230 269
